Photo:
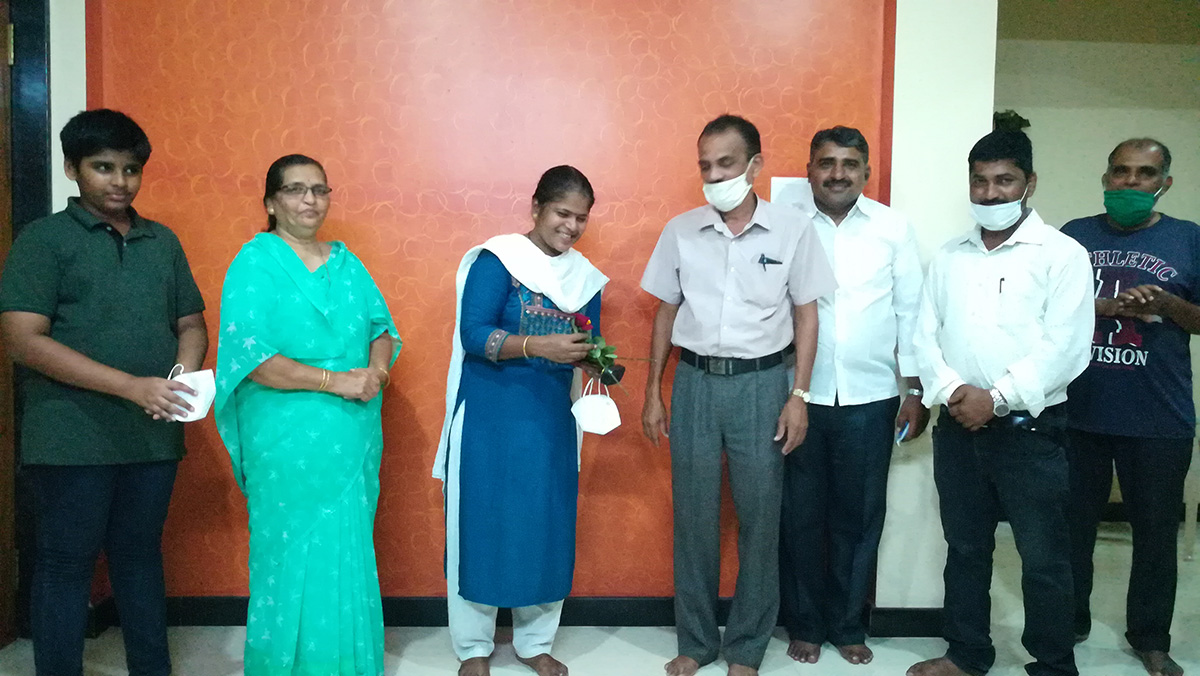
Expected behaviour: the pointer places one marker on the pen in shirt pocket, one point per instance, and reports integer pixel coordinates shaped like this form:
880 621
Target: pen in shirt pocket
764 261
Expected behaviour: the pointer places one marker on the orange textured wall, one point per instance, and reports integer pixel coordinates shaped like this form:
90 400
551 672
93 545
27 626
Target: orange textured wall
434 120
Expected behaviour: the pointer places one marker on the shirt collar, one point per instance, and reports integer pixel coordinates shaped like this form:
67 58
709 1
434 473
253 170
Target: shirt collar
712 218
138 225
1031 231
863 205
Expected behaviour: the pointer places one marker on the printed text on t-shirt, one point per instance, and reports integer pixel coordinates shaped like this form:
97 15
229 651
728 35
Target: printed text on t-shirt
1115 258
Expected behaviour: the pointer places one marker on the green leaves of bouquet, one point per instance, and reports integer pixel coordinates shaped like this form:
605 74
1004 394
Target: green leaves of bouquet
602 355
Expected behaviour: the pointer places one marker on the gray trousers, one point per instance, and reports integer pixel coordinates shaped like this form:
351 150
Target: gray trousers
737 414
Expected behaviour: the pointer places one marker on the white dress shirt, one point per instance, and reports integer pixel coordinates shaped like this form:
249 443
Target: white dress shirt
736 292
866 326
1018 318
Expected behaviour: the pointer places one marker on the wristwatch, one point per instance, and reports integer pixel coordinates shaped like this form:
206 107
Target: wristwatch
803 394
915 392
999 403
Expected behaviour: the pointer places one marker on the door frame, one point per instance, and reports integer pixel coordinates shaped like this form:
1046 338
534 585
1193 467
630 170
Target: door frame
24 197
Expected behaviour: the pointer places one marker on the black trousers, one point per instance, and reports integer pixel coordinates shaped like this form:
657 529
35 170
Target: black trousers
1151 473
81 510
1022 474
834 500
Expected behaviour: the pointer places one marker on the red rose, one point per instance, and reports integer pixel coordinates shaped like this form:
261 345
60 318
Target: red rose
582 323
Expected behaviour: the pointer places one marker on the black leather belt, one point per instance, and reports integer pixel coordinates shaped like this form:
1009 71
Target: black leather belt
732 366
1053 418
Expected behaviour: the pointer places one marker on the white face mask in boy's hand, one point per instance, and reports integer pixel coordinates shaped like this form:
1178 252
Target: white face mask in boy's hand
206 390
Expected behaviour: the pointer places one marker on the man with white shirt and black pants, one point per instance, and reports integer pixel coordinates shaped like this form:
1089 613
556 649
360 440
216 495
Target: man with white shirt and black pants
1005 325
835 483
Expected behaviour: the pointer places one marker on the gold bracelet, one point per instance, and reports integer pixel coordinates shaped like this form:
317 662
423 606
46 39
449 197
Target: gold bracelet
324 380
524 343
386 374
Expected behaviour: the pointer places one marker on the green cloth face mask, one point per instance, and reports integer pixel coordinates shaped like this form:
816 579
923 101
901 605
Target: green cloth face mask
1129 208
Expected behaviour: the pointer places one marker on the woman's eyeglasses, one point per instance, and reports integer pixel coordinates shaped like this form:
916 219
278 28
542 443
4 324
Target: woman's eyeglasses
300 190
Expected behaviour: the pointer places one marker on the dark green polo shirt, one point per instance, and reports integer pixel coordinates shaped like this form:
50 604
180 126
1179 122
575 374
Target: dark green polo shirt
116 300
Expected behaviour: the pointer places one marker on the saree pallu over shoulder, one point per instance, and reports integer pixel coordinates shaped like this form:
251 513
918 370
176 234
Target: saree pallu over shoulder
307 462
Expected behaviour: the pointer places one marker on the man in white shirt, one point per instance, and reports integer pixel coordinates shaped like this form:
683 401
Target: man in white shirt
1005 325
738 282
835 484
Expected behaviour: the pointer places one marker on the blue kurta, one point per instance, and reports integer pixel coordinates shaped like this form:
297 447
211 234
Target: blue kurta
519 472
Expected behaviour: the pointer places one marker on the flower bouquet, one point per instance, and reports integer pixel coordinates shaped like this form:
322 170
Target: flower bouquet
601 360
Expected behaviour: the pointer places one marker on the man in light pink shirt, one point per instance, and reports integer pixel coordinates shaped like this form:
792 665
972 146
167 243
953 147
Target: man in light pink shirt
738 280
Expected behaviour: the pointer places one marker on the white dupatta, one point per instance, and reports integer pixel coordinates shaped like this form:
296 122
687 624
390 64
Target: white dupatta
569 280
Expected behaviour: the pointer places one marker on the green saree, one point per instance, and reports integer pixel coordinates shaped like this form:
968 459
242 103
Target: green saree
307 462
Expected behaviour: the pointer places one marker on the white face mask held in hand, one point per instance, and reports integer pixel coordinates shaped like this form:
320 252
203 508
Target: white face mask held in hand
996 217
595 412
728 194
206 390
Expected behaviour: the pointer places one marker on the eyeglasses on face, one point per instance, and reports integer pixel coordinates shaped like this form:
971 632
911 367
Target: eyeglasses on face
300 190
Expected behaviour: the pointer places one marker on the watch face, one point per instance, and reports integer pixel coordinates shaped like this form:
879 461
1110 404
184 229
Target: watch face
1001 410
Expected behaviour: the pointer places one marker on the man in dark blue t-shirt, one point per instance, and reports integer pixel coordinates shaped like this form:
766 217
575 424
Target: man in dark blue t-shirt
1133 407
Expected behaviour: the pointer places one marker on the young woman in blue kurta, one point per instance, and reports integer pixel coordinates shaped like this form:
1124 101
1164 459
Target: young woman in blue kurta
509 447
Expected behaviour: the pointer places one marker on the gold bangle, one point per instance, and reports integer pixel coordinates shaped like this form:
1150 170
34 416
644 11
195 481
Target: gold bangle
324 380
386 374
525 343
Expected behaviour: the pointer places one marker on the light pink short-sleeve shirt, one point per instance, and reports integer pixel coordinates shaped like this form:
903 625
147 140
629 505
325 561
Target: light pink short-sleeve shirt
735 294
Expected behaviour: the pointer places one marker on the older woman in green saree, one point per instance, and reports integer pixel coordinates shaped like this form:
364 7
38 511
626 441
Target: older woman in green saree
306 344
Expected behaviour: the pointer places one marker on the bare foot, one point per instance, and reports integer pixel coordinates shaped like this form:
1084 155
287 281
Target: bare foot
682 666
544 665
803 651
856 654
476 666
1159 663
742 670
941 666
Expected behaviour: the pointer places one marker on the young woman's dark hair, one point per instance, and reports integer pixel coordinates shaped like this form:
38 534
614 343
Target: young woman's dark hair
560 181
275 178
94 131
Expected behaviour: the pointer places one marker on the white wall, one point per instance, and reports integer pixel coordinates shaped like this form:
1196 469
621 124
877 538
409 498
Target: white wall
68 86
1084 98
945 65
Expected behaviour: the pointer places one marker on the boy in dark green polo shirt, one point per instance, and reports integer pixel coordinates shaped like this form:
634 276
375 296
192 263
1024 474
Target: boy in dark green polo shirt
99 304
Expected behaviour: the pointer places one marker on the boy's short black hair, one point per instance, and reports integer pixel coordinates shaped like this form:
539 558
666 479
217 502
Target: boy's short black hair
1003 144
94 131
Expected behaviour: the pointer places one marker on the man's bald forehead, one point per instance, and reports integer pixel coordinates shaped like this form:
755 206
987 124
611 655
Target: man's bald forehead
1145 144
